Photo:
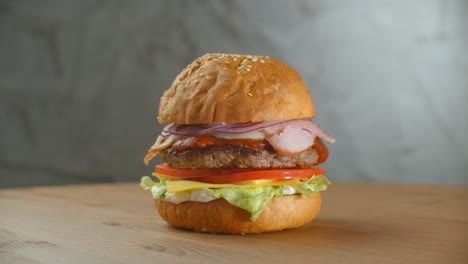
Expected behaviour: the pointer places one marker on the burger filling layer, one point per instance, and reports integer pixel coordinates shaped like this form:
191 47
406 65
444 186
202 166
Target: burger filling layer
247 164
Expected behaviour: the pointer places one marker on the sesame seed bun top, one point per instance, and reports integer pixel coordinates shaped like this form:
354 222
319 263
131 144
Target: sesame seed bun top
233 88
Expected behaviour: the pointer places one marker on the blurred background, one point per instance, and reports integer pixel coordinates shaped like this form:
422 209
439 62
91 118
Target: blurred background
80 81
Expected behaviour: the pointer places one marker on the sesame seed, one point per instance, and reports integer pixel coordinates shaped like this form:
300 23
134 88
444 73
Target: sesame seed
249 94
262 61
208 77
196 81
254 59
201 74
235 59
249 56
248 69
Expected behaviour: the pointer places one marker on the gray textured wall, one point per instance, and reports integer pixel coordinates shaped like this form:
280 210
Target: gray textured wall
80 81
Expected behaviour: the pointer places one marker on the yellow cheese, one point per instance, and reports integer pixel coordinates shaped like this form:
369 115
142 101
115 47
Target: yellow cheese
180 186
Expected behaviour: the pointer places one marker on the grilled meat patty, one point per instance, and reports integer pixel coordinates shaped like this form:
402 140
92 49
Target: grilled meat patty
228 156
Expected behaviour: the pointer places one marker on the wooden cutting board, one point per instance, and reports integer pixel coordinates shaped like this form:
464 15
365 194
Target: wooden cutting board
116 223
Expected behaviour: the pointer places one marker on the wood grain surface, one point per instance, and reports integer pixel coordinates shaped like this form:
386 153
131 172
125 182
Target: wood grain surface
116 223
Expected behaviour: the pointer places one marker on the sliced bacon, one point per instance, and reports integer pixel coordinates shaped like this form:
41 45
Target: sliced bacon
161 144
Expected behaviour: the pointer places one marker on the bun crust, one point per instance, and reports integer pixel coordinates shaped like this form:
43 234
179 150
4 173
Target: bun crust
219 216
233 88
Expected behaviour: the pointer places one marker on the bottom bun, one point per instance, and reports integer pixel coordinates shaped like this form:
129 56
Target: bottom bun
219 216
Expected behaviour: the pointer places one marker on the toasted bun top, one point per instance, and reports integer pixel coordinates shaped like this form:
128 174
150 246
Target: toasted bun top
231 88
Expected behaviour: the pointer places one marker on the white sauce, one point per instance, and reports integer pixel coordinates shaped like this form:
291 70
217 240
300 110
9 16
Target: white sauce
196 196
288 190
201 195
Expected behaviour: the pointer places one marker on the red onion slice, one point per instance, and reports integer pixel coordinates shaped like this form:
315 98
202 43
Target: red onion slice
226 128
270 128
243 128
192 130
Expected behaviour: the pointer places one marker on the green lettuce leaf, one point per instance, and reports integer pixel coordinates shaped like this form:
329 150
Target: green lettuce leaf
314 184
146 183
252 200
157 189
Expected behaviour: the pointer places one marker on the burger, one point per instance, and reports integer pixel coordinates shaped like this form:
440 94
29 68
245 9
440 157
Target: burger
240 149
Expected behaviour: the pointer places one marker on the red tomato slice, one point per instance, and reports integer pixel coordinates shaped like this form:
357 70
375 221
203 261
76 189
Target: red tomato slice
220 176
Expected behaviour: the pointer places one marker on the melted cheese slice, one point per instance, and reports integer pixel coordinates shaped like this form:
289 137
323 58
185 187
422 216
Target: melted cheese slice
181 186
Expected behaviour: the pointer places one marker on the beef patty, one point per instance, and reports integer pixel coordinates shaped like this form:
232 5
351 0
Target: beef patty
228 156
